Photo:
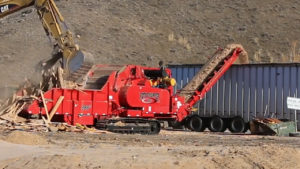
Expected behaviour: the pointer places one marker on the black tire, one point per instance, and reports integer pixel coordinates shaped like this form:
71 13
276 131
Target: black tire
225 125
187 124
155 127
195 123
175 125
294 134
237 125
216 124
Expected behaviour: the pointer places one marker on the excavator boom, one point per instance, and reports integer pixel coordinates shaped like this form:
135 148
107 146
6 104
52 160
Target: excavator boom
75 61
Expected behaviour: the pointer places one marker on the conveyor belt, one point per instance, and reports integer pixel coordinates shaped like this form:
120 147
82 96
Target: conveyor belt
207 71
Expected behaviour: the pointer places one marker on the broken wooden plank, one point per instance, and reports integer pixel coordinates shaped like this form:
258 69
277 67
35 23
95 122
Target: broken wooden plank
45 105
59 101
18 111
45 121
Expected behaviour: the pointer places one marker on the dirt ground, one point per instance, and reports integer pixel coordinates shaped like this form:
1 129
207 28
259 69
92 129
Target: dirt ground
146 31
169 149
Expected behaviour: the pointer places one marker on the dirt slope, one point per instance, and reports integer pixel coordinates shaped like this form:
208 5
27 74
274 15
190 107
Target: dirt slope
146 31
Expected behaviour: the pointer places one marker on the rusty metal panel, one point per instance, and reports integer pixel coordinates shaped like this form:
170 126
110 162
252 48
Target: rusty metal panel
252 90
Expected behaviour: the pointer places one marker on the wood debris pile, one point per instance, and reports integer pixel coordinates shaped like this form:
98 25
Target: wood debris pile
13 106
267 120
11 110
37 125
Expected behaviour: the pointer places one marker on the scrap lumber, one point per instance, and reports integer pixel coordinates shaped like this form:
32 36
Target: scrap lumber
60 99
11 108
20 108
45 121
45 106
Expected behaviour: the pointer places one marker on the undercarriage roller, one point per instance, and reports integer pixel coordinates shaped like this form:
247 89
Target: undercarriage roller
130 126
154 127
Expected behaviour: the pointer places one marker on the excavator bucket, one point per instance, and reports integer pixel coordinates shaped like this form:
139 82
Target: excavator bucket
81 59
75 69
78 66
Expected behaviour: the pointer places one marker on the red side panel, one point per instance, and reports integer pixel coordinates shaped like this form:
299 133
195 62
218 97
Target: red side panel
83 113
140 96
80 107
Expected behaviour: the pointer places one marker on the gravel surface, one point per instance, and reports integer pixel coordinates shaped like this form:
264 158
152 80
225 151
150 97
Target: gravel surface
169 149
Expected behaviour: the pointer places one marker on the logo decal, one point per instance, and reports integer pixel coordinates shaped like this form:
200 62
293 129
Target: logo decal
4 8
149 97
86 107
8 7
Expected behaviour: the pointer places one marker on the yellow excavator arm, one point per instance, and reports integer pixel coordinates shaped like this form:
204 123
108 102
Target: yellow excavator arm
74 60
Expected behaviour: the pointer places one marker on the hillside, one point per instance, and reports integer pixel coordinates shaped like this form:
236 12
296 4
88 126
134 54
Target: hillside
146 31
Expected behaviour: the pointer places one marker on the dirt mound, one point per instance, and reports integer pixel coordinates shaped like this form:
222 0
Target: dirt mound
27 138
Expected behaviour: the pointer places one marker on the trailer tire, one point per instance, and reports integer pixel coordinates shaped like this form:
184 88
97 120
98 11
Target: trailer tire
175 125
216 124
195 123
187 124
237 125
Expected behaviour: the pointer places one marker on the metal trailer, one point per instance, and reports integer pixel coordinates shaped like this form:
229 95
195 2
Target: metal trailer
251 90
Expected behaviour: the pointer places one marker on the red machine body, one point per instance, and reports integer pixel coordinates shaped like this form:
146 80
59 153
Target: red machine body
127 93
130 92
